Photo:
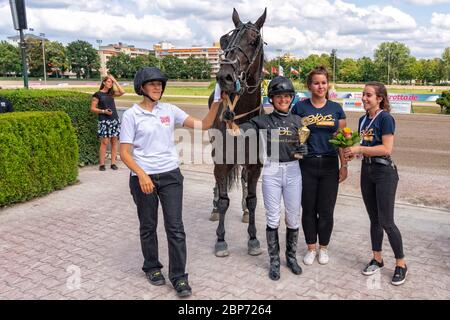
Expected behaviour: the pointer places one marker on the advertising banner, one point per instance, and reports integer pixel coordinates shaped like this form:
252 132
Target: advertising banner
396 99
396 106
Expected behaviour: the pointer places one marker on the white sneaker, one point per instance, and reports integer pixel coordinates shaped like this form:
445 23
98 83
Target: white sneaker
323 256
309 257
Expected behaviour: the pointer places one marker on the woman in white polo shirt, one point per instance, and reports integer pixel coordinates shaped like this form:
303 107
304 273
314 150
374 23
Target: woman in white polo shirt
148 127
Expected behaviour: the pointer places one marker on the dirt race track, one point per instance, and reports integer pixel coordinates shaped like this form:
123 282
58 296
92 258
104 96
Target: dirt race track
422 154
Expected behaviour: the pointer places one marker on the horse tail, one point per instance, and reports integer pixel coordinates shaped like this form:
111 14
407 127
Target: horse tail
233 177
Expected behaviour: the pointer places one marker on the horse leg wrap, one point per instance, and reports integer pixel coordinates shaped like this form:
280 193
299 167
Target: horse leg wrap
251 204
223 205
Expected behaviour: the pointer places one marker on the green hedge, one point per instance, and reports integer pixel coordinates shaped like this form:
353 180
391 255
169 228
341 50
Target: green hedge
38 154
75 104
444 101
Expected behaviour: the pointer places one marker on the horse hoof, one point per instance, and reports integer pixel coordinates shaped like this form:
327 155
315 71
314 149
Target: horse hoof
254 248
245 216
221 249
214 216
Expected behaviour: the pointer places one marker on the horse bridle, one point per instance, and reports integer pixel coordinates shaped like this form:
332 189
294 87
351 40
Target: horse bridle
236 63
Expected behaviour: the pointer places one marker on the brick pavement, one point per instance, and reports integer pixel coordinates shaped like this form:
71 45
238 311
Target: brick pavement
83 243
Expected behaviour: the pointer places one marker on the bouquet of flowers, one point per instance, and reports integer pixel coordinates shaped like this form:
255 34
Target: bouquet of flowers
345 138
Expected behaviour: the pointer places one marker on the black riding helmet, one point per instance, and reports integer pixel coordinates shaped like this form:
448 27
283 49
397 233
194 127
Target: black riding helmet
280 85
148 74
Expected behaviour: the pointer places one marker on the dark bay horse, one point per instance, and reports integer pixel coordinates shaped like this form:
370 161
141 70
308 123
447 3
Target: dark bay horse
240 77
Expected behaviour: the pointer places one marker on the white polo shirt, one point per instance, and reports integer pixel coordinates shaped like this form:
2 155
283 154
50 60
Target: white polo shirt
152 136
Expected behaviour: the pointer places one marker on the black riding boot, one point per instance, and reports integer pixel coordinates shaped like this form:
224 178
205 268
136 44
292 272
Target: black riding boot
273 247
291 248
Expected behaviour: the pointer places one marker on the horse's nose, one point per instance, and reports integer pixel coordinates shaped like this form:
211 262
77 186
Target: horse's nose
225 78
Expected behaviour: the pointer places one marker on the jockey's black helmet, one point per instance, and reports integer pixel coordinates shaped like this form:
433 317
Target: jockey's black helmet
280 85
148 74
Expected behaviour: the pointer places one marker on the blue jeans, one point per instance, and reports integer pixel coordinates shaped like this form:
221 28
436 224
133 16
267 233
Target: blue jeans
169 191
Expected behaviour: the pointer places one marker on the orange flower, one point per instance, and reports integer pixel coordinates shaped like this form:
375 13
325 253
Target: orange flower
347 130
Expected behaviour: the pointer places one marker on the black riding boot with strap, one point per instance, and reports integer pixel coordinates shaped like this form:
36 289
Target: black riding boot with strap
273 247
291 249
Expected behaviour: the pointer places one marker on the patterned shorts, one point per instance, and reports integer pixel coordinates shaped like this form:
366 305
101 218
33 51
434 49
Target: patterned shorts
108 128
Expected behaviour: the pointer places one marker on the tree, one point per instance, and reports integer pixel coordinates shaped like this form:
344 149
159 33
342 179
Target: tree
153 61
349 71
366 70
197 68
137 63
34 57
392 56
120 65
83 58
10 61
172 66
430 71
437 72
125 66
446 60
409 71
444 101
56 58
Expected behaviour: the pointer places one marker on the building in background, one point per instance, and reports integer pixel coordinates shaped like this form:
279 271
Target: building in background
211 54
106 52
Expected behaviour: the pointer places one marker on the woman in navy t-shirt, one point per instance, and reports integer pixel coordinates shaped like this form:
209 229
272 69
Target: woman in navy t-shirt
379 177
321 174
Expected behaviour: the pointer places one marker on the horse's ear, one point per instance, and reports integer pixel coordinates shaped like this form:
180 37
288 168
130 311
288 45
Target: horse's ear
261 20
237 21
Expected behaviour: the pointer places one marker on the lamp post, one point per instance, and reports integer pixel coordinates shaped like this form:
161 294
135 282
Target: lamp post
334 65
279 59
42 35
19 16
389 62
99 42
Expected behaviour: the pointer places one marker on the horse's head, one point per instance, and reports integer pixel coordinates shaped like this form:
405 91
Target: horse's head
243 50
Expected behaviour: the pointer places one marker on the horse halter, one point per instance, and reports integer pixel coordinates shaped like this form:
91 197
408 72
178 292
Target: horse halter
236 36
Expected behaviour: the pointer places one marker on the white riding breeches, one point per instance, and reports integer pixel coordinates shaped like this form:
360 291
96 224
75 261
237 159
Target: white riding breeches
282 179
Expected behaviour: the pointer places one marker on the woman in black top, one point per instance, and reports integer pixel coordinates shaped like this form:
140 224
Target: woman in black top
108 120
379 177
320 167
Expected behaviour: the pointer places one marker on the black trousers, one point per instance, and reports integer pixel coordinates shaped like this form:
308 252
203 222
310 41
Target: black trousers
168 190
320 177
378 187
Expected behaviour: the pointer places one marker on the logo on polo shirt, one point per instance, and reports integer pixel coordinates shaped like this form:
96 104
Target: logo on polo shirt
165 121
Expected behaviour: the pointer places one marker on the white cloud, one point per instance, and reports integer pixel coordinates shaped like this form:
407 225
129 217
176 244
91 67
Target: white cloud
441 20
426 2
298 26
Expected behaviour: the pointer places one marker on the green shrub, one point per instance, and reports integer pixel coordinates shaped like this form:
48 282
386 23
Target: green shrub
38 154
444 101
75 104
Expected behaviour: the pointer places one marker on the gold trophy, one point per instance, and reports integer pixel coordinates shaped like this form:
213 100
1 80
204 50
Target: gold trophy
303 135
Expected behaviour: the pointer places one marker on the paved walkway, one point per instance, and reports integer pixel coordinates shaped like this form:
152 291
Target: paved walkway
83 243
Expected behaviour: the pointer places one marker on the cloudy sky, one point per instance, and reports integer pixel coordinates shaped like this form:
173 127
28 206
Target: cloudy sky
354 28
